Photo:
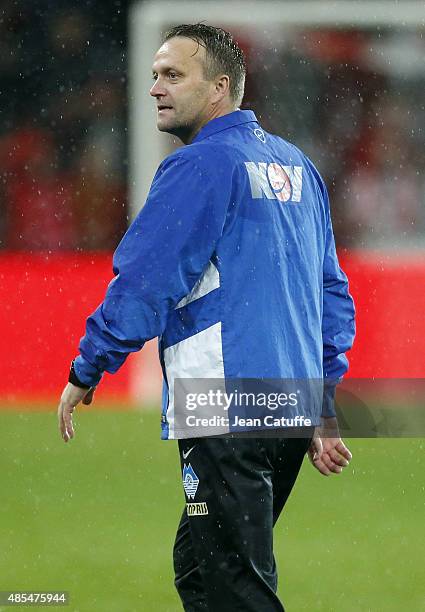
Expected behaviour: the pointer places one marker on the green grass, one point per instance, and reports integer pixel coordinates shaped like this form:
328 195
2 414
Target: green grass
97 518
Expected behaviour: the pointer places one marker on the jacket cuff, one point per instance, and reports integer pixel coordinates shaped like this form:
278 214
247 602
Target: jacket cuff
73 378
87 375
328 404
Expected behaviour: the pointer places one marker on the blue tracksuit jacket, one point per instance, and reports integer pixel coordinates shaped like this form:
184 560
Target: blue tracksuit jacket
232 264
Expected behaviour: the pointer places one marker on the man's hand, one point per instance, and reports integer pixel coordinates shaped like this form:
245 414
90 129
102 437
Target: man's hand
327 452
71 396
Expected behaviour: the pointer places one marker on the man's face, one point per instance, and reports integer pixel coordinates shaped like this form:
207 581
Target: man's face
183 96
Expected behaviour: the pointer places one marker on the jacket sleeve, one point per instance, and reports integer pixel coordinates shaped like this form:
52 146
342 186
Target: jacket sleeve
338 326
158 262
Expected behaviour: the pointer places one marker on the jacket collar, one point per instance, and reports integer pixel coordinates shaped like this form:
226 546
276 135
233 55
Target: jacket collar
238 117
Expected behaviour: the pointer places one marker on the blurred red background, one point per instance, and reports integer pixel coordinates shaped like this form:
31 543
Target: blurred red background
45 300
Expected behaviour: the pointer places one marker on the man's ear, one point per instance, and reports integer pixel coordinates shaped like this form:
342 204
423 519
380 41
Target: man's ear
221 88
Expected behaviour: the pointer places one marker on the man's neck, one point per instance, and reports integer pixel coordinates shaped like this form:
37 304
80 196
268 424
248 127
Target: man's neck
215 114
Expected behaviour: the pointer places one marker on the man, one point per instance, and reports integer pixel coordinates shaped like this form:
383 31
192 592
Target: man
232 264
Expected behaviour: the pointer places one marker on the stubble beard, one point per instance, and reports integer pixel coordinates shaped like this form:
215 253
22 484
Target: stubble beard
185 127
181 128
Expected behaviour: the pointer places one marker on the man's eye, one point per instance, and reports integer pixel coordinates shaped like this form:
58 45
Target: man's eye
172 75
154 77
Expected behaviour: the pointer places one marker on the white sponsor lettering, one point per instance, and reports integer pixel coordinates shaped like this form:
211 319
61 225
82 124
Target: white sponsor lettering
274 181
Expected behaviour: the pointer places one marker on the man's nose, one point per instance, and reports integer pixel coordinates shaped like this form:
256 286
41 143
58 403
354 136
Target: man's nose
157 90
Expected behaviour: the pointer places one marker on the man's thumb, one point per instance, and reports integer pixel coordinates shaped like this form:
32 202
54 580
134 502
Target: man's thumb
89 396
